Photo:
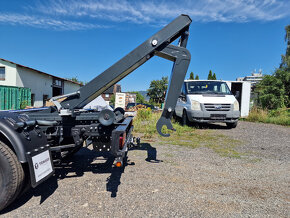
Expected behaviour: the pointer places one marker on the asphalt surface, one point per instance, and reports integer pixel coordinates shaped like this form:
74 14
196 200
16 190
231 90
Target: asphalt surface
166 181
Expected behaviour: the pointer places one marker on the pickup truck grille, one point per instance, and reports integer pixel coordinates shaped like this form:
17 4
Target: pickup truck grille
217 107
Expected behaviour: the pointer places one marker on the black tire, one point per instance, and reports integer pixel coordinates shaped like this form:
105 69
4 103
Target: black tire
184 119
232 125
11 176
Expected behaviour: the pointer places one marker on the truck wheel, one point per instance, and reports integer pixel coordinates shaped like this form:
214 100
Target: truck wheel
184 119
11 176
232 125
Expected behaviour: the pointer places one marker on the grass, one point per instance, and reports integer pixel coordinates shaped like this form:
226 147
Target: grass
280 116
145 126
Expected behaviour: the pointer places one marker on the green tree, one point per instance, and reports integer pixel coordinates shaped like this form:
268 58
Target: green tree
209 77
75 79
286 58
157 90
196 77
214 77
271 92
112 100
139 98
191 75
274 90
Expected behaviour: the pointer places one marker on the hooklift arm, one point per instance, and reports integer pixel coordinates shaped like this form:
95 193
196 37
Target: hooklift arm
158 44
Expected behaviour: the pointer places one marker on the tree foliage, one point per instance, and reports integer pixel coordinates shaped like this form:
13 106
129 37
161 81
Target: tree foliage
274 90
191 76
196 77
210 76
214 77
271 92
157 90
139 98
112 100
75 79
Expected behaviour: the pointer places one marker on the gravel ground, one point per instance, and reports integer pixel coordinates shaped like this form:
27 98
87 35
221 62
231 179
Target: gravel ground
165 181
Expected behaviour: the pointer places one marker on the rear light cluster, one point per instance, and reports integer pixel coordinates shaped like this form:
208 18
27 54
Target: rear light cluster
122 140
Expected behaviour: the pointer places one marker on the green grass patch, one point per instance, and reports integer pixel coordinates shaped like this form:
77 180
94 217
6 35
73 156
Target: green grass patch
279 116
186 136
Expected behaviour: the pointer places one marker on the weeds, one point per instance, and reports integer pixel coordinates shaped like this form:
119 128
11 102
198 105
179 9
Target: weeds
185 136
279 116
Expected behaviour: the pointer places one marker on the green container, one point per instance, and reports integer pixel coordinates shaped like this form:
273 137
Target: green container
14 98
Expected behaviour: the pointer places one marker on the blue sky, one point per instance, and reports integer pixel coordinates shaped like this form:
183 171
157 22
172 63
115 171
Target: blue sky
83 38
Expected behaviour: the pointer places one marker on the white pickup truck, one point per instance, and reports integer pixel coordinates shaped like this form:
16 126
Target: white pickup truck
207 101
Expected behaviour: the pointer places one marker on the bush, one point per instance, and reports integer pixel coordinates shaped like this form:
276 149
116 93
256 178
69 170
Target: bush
144 114
280 116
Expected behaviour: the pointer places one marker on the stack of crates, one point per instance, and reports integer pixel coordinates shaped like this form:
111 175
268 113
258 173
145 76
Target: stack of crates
14 98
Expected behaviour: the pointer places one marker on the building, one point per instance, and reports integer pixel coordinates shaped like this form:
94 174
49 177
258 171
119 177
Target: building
129 97
111 91
253 79
43 85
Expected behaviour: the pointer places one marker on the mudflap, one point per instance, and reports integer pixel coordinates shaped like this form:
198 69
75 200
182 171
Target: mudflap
40 165
121 140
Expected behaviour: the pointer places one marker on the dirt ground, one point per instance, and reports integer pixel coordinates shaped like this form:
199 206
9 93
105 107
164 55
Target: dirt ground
163 180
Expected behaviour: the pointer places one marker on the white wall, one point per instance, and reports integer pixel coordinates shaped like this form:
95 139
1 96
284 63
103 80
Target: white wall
40 84
10 74
70 87
245 99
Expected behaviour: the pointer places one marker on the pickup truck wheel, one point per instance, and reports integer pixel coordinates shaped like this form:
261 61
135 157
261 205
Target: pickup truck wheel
184 119
11 176
232 125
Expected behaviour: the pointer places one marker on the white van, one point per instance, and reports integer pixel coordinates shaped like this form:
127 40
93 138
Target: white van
207 101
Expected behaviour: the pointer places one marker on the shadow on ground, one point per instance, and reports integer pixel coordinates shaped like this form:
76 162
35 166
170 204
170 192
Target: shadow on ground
85 160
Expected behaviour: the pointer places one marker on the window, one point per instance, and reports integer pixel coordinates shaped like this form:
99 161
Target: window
44 99
57 82
2 73
207 87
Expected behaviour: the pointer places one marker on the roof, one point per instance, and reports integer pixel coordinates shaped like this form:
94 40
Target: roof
112 89
38 71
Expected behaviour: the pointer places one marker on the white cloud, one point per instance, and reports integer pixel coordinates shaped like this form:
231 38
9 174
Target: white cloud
156 11
88 14
46 22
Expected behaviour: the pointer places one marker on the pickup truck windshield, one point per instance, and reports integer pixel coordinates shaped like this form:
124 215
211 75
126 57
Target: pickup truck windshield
207 87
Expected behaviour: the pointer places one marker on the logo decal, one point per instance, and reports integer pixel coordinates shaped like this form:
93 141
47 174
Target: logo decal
218 107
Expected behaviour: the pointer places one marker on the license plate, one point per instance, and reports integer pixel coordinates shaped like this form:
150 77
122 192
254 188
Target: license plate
40 167
218 116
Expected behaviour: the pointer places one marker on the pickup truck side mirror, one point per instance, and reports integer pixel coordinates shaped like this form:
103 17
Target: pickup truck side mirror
237 95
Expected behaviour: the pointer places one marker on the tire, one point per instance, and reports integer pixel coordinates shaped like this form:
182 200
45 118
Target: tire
184 119
11 176
232 125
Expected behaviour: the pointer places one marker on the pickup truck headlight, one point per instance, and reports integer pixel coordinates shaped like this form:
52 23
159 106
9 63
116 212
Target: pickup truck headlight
195 105
236 106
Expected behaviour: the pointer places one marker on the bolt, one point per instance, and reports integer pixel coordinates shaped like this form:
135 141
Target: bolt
154 42
169 109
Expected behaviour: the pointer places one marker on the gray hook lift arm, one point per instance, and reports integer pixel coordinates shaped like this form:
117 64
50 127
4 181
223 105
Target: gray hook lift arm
158 44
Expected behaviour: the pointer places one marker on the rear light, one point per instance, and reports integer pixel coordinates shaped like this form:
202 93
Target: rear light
122 140
118 164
